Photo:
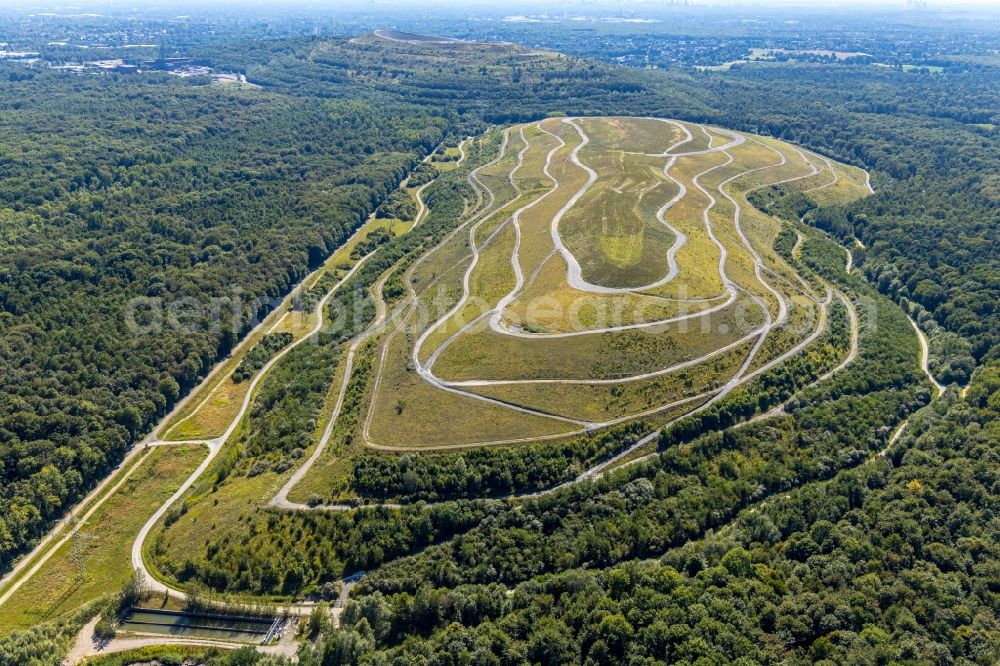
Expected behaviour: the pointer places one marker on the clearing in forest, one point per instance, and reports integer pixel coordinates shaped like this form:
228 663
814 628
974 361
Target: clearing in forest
618 272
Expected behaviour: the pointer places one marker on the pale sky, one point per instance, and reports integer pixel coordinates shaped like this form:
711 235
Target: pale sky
639 4
501 6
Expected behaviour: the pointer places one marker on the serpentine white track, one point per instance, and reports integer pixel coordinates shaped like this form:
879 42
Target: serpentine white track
425 369
482 211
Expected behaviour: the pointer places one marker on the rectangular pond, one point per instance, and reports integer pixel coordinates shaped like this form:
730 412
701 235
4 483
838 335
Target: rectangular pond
197 625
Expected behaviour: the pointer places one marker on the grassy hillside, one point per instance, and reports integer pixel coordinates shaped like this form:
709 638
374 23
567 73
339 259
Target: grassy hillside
186 209
833 528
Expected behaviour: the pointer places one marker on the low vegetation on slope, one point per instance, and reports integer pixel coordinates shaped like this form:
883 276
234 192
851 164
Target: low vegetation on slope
177 194
171 196
815 533
850 570
232 544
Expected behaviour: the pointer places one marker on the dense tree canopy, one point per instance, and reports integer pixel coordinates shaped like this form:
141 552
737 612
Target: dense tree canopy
142 239
148 221
889 561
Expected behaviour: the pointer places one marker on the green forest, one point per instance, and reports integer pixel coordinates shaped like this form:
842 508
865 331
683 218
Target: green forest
891 559
207 205
148 222
138 248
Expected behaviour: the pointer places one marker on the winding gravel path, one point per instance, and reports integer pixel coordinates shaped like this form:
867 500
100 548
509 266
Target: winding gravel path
281 499
741 377
425 369
834 181
939 389
796 249
852 354
574 275
735 381
73 522
484 210
925 358
215 445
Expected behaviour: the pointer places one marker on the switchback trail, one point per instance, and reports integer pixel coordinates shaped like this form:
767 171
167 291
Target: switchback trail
484 208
